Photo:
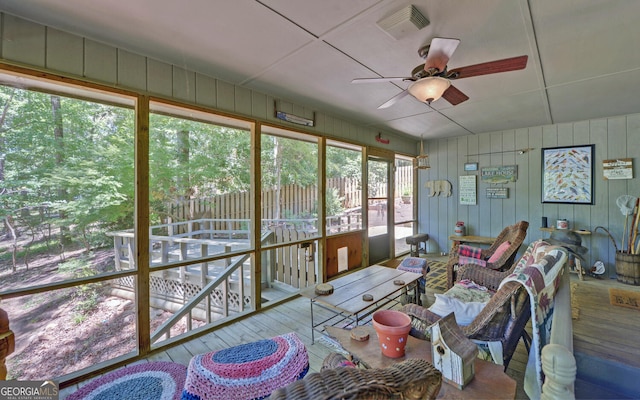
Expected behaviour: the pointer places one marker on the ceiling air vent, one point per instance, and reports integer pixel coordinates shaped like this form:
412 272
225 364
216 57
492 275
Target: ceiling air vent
403 22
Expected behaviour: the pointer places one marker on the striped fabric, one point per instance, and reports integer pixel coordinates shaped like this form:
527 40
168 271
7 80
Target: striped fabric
470 251
463 260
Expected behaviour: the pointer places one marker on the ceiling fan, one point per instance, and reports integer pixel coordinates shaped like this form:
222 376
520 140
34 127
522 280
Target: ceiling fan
432 80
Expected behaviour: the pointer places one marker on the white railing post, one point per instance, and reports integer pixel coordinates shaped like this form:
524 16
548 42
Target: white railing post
559 367
558 362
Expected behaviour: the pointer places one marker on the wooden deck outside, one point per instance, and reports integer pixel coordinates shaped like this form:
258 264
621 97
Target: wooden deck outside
601 330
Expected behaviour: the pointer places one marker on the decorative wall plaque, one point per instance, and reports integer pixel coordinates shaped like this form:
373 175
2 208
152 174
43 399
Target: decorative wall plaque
468 193
502 174
621 168
497 193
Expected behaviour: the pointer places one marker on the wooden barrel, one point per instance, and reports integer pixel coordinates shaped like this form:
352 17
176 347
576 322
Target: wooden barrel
628 268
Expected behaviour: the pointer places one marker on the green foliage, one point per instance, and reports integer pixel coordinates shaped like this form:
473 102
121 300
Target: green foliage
67 165
344 163
85 297
333 202
71 168
79 267
195 159
34 249
288 161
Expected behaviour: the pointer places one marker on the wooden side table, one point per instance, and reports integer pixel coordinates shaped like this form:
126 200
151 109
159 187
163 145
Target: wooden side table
576 260
458 240
489 382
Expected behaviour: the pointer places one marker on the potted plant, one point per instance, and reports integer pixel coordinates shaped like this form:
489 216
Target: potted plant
406 196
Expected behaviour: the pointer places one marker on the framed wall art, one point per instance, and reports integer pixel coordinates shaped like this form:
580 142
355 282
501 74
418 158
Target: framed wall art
468 192
471 166
567 174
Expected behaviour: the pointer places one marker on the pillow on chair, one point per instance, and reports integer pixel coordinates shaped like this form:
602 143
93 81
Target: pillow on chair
464 313
465 302
465 250
499 252
470 255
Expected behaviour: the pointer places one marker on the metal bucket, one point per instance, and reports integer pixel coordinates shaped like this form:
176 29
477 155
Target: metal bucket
628 268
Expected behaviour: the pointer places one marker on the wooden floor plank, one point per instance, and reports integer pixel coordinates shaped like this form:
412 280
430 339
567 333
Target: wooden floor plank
196 346
179 354
159 356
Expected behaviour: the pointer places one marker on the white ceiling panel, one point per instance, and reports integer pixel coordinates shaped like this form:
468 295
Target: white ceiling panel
320 17
596 98
587 38
583 60
507 112
428 126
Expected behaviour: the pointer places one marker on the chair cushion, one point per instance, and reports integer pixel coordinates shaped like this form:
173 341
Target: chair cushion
499 252
417 238
463 312
248 371
469 291
464 260
414 264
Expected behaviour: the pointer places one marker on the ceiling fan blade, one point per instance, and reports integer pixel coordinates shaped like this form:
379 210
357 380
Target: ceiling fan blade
374 80
440 51
491 67
394 99
454 96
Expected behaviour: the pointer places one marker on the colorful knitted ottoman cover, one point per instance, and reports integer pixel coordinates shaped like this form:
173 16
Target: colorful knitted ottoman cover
247 371
416 265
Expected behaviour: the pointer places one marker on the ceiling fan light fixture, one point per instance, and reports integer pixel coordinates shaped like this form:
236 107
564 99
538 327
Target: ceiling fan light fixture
429 89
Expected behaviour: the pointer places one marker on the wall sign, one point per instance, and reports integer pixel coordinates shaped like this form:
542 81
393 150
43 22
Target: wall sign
621 168
468 194
502 174
471 166
497 193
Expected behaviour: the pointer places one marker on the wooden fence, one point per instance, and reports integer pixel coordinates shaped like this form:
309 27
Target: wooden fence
289 202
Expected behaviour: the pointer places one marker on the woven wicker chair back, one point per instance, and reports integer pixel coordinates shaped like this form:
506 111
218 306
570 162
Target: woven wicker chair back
514 234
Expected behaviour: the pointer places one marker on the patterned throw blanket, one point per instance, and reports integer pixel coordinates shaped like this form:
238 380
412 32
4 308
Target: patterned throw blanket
539 271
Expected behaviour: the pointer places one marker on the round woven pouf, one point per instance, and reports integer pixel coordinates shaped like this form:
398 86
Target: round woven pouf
248 371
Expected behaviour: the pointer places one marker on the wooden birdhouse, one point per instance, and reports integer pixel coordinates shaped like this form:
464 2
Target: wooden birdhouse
453 354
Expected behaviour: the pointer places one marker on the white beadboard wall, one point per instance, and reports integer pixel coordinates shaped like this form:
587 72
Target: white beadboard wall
33 45
614 137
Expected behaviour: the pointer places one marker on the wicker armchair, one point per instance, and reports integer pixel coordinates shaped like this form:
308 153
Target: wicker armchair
502 319
412 379
514 234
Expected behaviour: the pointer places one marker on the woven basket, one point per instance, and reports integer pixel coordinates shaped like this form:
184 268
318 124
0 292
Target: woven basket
410 380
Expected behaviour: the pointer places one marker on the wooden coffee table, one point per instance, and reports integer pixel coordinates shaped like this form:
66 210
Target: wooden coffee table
458 240
346 305
489 382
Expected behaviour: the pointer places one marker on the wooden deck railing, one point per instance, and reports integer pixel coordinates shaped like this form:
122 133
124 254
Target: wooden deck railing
220 284
211 290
